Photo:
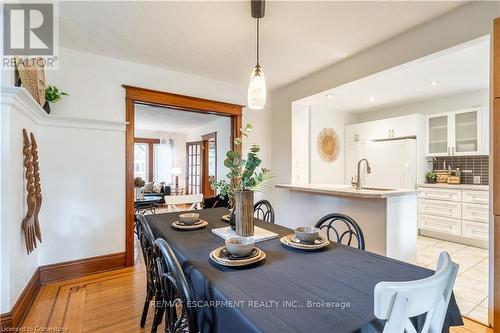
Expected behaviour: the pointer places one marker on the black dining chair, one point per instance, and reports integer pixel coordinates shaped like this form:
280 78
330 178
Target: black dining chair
264 210
153 291
343 228
178 315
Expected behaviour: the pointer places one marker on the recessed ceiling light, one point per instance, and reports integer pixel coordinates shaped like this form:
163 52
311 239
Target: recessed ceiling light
329 95
371 99
433 83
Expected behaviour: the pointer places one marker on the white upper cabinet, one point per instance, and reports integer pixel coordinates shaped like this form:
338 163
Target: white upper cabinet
398 127
456 133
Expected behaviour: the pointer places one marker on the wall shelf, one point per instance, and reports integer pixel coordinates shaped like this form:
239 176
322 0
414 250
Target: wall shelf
20 99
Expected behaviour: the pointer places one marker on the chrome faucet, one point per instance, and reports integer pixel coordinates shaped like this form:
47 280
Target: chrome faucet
357 183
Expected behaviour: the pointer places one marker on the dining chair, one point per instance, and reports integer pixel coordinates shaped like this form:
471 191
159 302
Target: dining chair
343 228
264 210
146 240
174 282
396 302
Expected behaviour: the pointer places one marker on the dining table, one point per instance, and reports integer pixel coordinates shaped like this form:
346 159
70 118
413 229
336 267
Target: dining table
329 290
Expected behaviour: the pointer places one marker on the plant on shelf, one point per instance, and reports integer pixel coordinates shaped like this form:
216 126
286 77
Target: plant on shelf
52 95
430 177
138 184
243 177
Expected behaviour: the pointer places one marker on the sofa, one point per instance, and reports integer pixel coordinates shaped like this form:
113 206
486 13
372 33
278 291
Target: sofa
165 190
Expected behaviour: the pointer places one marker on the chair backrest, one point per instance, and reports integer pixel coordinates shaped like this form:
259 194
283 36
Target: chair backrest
396 302
146 239
264 210
174 282
342 229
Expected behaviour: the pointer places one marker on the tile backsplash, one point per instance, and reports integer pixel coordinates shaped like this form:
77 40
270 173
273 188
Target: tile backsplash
478 164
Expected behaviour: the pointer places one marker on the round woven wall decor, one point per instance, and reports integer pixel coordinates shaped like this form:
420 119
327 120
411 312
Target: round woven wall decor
328 145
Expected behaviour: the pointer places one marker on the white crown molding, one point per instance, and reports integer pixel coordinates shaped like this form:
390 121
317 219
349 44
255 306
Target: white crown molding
19 99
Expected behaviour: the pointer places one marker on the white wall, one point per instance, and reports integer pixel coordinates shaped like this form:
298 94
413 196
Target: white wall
438 105
436 35
222 126
300 143
180 146
320 118
83 170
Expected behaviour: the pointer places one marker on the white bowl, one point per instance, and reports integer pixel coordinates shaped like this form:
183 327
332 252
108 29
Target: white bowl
240 246
307 234
189 218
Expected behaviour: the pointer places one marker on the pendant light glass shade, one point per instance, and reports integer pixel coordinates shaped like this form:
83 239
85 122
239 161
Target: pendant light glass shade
256 97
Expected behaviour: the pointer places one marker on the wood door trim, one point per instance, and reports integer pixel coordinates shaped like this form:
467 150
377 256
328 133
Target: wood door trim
138 95
495 170
150 142
181 102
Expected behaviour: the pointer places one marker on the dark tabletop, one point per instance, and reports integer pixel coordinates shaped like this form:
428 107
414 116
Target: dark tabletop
330 290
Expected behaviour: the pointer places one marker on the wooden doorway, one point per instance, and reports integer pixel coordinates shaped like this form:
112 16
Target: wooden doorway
208 163
136 95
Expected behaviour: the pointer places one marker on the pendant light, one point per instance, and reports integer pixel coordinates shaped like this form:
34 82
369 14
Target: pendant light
256 97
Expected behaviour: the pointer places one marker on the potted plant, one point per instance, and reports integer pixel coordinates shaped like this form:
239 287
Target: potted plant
52 95
243 180
430 177
138 184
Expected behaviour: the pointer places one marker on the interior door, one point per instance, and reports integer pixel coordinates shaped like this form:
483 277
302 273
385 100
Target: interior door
193 167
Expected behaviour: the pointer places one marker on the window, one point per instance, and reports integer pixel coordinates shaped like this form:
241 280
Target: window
141 160
163 161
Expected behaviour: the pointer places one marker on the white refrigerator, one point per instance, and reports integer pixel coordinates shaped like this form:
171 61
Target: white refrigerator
393 163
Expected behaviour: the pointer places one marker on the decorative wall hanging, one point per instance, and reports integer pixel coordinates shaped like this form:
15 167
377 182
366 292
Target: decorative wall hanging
32 77
31 223
328 145
38 188
28 223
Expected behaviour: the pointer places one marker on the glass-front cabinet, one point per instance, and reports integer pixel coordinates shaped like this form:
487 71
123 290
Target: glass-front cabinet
456 133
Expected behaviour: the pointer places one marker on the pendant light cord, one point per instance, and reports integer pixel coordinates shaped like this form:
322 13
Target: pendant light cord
258 41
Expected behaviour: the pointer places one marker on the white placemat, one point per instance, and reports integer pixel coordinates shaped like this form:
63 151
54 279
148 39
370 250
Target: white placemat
260 234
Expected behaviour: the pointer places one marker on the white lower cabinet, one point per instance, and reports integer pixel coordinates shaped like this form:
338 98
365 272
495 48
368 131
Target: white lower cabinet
440 208
440 224
476 230
454 212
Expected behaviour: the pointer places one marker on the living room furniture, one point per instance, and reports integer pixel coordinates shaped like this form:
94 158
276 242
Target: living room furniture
147 203
172 202
165 191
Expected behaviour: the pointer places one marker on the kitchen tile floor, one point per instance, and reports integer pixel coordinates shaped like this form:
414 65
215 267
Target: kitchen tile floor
471 286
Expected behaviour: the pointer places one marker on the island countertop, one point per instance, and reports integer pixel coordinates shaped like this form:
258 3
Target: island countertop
347 191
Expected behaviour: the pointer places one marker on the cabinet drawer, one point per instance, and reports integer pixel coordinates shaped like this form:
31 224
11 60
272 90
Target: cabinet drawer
480 197
475 212
477 230
440 224
440 208
439 194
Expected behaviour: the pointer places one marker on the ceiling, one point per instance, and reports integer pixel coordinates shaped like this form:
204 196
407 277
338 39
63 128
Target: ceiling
217 39
464 68
169 120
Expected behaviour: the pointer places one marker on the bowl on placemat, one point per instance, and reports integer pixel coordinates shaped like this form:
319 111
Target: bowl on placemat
307 234
240 246
189 218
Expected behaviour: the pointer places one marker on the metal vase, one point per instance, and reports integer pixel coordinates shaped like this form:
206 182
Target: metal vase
244 213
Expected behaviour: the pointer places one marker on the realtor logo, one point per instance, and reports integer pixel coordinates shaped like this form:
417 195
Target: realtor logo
28 29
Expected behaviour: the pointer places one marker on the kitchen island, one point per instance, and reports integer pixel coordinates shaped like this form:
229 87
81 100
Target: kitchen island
387 217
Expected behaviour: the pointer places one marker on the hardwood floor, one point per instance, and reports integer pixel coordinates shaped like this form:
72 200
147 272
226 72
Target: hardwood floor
111 302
